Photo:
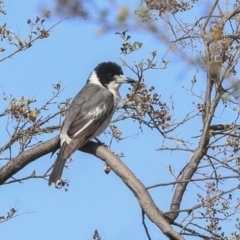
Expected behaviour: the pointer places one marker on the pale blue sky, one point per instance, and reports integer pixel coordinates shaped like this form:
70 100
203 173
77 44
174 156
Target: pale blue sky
94 200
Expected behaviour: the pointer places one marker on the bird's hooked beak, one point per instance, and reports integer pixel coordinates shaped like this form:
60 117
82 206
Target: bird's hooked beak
124 79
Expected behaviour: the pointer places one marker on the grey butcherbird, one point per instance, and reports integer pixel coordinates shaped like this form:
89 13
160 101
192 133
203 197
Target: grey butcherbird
90 112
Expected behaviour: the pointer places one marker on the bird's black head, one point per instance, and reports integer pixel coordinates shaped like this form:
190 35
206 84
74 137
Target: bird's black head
109 75
106 72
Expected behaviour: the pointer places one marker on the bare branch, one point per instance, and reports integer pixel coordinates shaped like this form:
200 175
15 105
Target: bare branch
133 183
145 226
26 46
209 15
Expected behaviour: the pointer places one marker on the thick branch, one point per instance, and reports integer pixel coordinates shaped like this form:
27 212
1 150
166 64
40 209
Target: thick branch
138 189
194 162
24 158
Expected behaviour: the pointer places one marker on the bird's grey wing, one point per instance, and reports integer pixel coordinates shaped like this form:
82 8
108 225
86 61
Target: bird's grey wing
89 98
89 115
88 123
75 109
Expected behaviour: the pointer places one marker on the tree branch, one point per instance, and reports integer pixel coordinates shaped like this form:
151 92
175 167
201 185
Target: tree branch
133 183
26 46
24 158
195 160
210 14
138 189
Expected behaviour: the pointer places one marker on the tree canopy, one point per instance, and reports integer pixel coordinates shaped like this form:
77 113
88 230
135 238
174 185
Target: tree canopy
191 132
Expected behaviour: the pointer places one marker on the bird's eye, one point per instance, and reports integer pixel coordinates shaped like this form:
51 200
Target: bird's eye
110 75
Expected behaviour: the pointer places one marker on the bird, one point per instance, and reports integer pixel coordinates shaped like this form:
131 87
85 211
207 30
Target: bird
89 113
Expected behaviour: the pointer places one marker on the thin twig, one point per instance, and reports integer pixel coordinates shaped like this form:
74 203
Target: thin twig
144 225
26 46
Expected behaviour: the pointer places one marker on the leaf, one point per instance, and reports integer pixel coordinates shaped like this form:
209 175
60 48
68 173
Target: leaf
37 19
166 63
14 44
140 45
16 37
128 37
154 53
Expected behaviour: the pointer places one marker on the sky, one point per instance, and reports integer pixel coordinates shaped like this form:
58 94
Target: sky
94 200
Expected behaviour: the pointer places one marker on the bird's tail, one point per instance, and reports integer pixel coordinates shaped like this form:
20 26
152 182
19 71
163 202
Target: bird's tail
58 166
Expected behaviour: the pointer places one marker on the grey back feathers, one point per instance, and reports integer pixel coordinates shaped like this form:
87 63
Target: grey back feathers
96 104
